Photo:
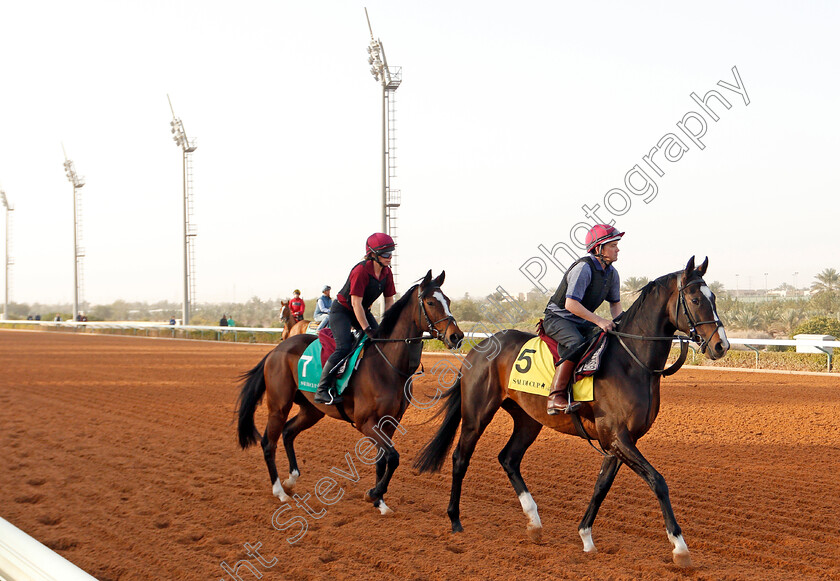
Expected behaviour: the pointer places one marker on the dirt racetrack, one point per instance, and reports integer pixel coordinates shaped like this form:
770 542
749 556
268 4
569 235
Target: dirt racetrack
120 454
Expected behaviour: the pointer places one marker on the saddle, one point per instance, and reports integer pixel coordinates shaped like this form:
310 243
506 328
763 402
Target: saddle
315 356
587 354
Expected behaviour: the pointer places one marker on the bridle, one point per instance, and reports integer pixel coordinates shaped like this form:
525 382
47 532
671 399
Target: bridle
692 324
693 335
430 327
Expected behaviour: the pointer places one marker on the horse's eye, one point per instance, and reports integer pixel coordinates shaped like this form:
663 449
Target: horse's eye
695 301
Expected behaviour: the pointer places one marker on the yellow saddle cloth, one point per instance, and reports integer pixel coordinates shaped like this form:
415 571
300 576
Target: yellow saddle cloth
534 369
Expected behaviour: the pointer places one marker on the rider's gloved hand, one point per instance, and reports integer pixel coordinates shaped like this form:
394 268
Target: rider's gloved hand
370 332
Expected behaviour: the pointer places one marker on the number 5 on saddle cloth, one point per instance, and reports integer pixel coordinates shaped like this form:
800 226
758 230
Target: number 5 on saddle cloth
534 368
312 362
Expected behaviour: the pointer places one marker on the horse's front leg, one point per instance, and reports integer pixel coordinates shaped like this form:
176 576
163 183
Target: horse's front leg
609 468
625 449
386 464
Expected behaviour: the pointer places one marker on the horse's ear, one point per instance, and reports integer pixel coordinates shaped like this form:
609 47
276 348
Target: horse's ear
689 268
439 280
426 279
702 268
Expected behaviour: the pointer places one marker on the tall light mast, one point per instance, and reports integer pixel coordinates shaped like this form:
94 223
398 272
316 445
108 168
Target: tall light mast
390 79
9 210
78 252
179 136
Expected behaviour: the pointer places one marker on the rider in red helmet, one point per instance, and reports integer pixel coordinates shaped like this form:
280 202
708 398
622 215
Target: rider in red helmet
570 314
368 280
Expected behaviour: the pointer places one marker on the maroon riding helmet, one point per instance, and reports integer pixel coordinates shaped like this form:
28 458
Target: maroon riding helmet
379 243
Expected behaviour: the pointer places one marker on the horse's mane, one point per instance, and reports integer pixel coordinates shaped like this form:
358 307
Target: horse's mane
392 315
661 282
633 311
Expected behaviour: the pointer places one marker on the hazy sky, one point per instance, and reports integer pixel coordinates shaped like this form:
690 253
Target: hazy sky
510 118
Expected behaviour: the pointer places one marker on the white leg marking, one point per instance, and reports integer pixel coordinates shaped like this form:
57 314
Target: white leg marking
383 508
291 480
278 491
530 509
586 537
680 548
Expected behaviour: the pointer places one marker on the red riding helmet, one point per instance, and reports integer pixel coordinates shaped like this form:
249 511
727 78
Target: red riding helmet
601 234
379 243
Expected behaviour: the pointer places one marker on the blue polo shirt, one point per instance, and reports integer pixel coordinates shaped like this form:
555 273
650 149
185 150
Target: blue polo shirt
578 279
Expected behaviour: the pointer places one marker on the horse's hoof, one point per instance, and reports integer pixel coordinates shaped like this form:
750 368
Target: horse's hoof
535 533
370 497
457 528
383 508
682 560
279 491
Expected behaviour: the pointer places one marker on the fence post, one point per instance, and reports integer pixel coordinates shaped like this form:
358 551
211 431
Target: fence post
756 354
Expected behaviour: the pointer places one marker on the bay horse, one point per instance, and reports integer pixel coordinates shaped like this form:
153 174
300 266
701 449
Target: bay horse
625 406
291 327
374 400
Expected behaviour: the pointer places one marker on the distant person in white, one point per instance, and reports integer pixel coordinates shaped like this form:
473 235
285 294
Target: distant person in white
322 308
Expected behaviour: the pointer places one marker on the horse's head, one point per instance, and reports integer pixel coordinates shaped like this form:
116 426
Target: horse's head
695 312
284 309
433 314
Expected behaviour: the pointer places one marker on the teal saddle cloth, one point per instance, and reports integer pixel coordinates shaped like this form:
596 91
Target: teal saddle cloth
309 367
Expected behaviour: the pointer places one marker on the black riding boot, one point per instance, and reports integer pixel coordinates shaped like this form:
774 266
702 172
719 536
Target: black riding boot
326 393
558 401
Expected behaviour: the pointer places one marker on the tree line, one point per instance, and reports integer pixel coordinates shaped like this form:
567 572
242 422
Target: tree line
778 317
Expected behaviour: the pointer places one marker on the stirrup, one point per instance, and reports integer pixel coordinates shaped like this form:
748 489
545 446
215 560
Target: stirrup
333 396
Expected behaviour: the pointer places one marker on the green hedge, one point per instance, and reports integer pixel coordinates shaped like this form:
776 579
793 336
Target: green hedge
788 361
819 326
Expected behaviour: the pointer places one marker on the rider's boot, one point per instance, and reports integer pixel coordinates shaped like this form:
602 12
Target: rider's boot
558 401
326 393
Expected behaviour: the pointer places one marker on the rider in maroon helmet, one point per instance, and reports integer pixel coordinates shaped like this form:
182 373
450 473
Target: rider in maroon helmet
368 280
570 314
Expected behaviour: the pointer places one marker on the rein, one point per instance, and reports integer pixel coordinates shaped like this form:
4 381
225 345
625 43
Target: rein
663 372
693 335
430 327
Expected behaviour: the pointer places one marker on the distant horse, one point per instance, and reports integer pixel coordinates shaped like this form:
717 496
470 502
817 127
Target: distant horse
374 400
625 407
290 326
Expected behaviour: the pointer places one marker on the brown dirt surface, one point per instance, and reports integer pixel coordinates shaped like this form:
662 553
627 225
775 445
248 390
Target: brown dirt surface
120 454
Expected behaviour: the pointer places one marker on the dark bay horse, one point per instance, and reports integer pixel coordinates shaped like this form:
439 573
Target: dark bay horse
374 400
291 327
625 407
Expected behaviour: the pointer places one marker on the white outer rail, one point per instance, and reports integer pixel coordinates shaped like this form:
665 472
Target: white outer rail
141 325
22 558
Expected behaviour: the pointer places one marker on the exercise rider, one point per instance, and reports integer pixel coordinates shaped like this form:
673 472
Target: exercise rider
570 314
368 280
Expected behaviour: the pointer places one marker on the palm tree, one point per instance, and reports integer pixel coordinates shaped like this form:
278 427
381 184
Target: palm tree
826 281
826 286
634 283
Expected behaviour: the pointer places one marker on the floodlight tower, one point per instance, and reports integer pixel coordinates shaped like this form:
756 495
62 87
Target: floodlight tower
78 252
390 79
9 261
179 136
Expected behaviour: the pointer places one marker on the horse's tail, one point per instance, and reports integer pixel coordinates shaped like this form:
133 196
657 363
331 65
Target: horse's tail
432 454
253 389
